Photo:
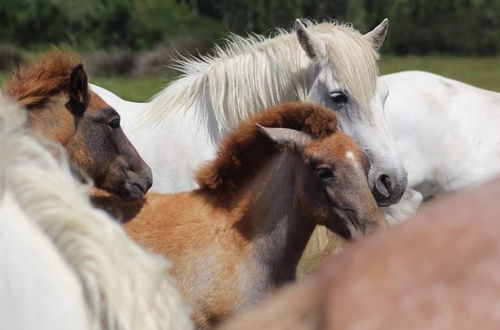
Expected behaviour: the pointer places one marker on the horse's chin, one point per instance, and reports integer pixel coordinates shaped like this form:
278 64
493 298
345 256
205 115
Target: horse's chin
339 226
131 192
126 190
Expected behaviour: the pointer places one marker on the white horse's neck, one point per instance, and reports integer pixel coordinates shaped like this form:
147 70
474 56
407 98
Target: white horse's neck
250 75
280 232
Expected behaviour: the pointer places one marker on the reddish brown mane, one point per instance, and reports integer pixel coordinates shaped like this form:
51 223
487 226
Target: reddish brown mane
247 148
32 85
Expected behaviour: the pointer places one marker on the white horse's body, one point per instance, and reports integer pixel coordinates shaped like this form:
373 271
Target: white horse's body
447 134
59 302
327 64
63 263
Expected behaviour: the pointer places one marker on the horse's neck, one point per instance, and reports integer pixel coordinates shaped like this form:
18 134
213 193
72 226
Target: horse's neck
225 92
274 221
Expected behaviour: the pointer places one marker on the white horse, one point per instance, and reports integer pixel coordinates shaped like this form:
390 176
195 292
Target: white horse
446 132
328 64
64 264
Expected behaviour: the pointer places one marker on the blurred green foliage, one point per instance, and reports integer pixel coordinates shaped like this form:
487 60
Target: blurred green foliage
417 26
91 24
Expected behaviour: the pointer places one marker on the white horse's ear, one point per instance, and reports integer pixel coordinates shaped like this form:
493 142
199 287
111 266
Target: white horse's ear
313 46
286 137
377 35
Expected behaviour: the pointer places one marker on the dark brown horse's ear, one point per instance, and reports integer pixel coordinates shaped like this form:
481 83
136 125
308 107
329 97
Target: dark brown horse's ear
78 89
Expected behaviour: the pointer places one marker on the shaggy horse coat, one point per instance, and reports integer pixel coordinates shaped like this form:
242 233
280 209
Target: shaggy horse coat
275 178
76 259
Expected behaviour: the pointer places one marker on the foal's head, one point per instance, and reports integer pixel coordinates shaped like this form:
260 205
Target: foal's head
331 172
62 108
332 184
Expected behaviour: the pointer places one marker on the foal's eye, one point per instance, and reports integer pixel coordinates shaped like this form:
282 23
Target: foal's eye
115 123
324 173
339 97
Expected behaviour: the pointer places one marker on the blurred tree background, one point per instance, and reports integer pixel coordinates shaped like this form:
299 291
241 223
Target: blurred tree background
469 27
136 37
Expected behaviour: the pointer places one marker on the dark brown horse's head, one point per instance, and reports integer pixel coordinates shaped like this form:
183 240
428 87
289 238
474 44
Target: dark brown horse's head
61 107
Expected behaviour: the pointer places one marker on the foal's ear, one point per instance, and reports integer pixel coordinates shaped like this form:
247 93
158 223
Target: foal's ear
313 46
78 87
377 35
286 137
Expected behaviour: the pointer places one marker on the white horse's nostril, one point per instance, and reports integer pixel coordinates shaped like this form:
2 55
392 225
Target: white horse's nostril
386 180
384 185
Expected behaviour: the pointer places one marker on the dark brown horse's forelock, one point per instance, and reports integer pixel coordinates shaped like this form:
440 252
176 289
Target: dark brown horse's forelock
33 84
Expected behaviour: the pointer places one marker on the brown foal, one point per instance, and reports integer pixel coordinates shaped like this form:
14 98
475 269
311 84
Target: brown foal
437 270
243 231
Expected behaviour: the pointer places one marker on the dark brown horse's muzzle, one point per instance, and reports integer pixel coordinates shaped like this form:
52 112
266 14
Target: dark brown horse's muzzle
138 183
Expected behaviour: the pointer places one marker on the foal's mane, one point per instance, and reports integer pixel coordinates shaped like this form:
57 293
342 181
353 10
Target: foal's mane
246 148
33 84
252 73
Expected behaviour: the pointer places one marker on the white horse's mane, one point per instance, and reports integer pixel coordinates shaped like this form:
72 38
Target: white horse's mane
125 286
252 73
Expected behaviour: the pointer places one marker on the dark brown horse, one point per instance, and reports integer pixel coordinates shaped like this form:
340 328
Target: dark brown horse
61 107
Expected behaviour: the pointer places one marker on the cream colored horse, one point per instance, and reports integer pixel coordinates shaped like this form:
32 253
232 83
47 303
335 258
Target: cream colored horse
64 264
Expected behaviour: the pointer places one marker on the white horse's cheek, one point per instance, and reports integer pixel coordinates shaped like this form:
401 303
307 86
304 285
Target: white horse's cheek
377 144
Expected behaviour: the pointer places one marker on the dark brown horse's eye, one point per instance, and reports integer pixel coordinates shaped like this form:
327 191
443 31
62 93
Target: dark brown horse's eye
115 123
324 173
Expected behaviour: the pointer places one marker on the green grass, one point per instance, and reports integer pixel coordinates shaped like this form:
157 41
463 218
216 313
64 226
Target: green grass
137 89
131 88
482 72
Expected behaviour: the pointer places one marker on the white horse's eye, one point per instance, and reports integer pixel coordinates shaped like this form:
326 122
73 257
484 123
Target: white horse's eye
339 97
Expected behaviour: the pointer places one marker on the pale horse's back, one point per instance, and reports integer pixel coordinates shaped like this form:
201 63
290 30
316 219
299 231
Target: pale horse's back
38 290
447 132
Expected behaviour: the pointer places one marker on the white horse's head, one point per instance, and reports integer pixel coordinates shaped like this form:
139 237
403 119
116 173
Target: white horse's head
342 75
